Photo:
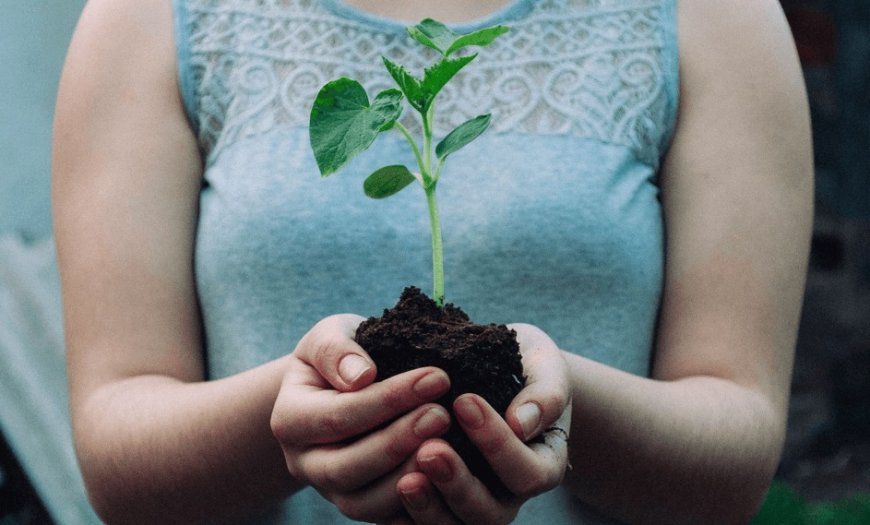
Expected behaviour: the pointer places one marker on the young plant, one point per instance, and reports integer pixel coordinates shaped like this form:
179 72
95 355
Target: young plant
344 123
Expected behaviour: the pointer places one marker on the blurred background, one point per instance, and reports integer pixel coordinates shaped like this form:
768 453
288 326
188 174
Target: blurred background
827 457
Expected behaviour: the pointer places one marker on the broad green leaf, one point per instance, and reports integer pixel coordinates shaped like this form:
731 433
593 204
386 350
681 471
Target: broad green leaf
441 38
484 37
387 181
437 76
462 135
344 124
420 94
434 34
409 85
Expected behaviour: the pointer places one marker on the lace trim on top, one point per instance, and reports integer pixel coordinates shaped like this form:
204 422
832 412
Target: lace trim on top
602 70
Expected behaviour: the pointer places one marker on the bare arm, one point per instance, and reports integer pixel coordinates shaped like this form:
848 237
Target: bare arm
126 182
157 443
700 441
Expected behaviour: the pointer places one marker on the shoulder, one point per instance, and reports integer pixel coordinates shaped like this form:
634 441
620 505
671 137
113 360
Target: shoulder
744 38
731 15
739 71
118 95
124 37
121 63
131 18
127 15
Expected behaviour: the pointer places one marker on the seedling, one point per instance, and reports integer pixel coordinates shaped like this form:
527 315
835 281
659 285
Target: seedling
344 123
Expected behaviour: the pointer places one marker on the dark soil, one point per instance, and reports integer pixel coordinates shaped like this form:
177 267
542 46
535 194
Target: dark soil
479 359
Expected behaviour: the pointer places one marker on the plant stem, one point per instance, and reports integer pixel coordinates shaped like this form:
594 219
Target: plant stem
427 142
410 139
437 250
430 183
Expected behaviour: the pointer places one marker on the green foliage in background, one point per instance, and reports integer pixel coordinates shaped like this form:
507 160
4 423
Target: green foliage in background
784 506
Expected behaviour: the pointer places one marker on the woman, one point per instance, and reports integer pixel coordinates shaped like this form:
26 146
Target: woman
661 240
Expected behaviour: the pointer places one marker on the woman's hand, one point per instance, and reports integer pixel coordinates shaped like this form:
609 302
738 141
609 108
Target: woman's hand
443 491
350 438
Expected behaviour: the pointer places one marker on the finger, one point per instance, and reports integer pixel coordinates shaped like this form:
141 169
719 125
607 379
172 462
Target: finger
547 392
306 415
377 502
330 348
422 501
348 468
556 438
466 496
525 471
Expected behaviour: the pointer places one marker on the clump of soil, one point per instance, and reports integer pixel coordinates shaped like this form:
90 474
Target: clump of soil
479 359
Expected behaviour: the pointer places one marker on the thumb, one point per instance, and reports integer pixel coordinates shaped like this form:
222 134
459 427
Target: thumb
329 347
547 395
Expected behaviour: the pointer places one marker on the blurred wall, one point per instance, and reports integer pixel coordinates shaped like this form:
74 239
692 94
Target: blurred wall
34 35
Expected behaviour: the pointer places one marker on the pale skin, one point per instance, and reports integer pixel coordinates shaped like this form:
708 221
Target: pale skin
695 443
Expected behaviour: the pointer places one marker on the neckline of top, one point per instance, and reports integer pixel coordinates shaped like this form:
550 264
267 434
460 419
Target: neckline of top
512 10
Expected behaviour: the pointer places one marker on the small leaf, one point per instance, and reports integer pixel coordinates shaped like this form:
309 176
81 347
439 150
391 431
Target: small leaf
387 181
344 124
484 37
462 135
441 38
434 34
437 76
409 85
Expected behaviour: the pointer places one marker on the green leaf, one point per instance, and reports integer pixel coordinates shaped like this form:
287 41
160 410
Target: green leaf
409 85
462 135
434 34
387 181
344 124
420 94
441 38
437 76
481 38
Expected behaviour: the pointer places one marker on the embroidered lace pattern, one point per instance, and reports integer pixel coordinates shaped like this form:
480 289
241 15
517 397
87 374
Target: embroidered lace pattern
598 69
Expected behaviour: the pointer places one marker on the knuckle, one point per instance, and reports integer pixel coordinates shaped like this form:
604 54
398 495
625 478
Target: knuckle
462 499
526 489
281 427
353 508
397 450
493 444
334 426
294 468
327 348
394 397
552 405
536 482
334 477
278 428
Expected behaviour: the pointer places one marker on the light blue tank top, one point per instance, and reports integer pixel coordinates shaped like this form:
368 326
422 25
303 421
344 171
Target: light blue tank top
552 217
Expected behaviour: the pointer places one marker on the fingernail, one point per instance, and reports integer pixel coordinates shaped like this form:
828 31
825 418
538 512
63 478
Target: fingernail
469 412
430 385
351 367
529 417
436 469
431 422
416 499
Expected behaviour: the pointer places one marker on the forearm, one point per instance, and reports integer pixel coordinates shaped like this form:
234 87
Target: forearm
698 450
154 449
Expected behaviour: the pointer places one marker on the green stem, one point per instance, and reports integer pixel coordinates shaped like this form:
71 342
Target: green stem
408 137
431 182
437 249
427 143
